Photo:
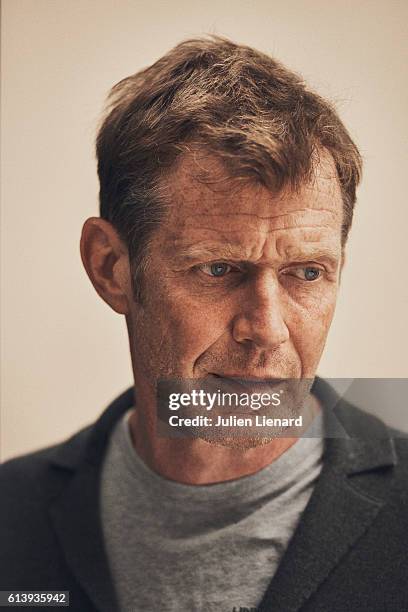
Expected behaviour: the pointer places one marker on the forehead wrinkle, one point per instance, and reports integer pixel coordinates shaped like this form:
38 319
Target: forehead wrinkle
262 217
188 191
197 251
283 246
258 231
177 239
242 221
310 248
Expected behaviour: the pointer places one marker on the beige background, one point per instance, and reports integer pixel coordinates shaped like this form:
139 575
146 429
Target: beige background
64 353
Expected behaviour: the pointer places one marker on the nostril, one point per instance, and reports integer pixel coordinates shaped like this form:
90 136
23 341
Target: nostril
266 330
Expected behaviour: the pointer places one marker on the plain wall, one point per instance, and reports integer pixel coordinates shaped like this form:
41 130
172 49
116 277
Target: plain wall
64 353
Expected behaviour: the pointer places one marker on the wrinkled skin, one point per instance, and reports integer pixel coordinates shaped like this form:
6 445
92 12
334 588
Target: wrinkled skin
263 311
260 318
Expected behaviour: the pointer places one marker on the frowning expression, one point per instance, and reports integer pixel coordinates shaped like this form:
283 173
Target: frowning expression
241 282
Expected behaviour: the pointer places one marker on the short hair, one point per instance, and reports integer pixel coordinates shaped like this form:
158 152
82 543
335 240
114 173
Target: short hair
238 104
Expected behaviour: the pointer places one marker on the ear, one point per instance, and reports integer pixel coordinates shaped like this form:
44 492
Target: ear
106 261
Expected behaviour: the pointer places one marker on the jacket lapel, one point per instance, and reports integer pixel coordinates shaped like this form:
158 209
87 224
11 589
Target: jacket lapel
75 511
339 511
76 521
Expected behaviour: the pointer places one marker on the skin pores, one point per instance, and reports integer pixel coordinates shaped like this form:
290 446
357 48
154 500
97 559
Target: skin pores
241 283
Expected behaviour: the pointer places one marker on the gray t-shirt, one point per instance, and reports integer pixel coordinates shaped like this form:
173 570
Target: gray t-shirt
176 547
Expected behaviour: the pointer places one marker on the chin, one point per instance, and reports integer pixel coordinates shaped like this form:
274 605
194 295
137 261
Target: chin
242 443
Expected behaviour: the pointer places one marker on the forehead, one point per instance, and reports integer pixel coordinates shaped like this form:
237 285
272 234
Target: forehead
207 205
202 187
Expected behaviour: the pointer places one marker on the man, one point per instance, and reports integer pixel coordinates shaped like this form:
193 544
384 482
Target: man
226 196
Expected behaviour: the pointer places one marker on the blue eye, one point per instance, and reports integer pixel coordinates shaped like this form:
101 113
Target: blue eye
306 273
217 269
311 274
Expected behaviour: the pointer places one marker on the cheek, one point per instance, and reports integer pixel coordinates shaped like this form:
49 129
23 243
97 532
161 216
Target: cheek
308 327
195 327
178 328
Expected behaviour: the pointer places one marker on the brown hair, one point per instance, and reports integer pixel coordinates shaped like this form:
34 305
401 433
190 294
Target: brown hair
244 107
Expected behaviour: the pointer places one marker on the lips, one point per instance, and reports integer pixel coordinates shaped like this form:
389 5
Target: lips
249 384
247 378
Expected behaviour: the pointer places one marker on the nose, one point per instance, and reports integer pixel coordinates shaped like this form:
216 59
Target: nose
261 314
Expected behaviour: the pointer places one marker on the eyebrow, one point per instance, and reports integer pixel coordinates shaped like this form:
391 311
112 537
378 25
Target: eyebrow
219 251
193 253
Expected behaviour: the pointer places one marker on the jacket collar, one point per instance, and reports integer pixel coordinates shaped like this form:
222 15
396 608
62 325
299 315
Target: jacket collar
89 444
343 504
75 512
355 440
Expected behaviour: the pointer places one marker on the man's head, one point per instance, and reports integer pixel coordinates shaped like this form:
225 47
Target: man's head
227 194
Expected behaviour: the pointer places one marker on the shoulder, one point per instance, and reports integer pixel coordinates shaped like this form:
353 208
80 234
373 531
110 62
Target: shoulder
40 489
28 486
30 477
28 470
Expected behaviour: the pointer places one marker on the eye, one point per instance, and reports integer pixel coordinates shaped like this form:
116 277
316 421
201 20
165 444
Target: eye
308 273
217 269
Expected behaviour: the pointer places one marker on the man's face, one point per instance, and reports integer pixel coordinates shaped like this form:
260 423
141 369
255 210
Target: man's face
240 282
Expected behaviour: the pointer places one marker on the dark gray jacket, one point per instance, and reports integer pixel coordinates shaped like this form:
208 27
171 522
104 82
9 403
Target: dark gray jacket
349 552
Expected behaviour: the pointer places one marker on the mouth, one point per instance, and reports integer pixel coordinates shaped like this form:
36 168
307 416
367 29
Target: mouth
246 379
249 384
